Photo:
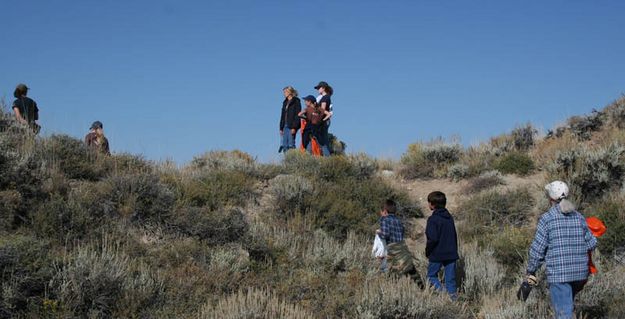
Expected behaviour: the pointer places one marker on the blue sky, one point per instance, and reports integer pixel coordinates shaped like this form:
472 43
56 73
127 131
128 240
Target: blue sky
173 79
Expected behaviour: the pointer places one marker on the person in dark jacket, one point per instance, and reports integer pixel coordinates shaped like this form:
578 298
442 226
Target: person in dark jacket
289 120
442 244
25 108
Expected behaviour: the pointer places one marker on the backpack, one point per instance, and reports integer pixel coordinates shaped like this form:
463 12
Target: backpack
316 117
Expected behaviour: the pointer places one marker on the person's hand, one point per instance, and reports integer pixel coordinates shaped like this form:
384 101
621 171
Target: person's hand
293 131
531 280
281 132
377 231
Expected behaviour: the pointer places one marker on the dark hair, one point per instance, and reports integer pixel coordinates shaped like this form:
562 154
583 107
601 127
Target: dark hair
390 206
329 90
437 199
19 92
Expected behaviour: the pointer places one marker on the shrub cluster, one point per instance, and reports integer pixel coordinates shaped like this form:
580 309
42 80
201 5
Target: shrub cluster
483 182
590 172
494 209
429 160
515 163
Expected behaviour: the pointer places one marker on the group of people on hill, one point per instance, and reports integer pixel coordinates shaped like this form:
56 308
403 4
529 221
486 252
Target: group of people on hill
313 120
26 113
564 241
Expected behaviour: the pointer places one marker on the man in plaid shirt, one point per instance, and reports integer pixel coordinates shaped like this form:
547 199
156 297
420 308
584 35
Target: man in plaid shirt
562 242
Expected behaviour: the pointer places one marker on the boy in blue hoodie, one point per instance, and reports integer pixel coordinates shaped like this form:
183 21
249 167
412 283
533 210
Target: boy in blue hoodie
442 244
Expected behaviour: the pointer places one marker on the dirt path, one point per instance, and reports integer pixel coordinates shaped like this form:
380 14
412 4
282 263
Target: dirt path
456 194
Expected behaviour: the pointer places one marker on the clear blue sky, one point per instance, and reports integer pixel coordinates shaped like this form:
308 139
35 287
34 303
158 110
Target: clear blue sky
173 79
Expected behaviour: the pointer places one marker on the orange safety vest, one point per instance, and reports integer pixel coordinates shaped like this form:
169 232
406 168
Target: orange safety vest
316 149
597 228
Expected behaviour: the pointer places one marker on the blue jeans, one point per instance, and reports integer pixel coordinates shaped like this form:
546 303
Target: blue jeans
450 276
383 265
288 139
563 297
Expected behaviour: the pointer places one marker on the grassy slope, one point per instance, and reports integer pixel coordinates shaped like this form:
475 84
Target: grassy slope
87 236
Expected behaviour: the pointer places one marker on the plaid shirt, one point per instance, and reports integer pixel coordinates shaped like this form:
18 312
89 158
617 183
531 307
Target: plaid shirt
562 241
391 229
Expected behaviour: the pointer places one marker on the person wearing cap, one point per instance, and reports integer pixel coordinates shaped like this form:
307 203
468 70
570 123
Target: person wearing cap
562 242
315 117
25 108
96 140
324 101
289 121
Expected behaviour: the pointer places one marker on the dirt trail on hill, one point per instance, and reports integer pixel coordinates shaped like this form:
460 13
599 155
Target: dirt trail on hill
456 193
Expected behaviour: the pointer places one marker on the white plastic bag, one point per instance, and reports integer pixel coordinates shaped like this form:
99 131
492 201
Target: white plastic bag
379 247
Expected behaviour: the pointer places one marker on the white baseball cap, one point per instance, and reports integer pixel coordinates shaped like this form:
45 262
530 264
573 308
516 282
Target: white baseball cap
557 190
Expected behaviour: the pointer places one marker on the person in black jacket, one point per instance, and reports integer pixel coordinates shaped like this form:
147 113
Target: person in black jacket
289 120
442 244
25 108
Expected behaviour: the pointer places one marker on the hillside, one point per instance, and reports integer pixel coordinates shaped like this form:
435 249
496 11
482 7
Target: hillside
90 236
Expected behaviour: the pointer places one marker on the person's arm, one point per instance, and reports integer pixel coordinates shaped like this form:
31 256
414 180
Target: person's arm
385 229
18 114
589 238
296 121
538 249
432 236
282 119
327 115
105 147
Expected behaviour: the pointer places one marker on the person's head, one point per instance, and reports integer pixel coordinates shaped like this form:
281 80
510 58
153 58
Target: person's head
557 191
20 91
389 207
310 101
324 88
289 91
98 128
437 200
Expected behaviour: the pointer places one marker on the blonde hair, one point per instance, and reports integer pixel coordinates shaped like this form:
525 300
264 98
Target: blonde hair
291 90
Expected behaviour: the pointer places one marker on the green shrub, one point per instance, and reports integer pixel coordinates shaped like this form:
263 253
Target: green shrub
10 201
129 164
72 157
253 303
62 220
363 165
604 295
483 182
493 209
510 246
483 274
590 173
611 211
391 298
457 172
429 160
225 160
584 126
25 270
291 193
140 197
101 282
521 139
296 162
515 163
615 113
215 227
352 204
218 189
